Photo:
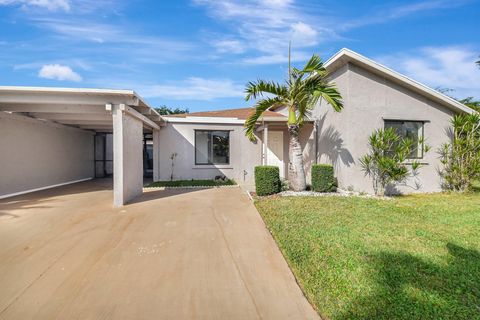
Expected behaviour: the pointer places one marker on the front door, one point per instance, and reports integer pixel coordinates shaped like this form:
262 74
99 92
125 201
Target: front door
275 151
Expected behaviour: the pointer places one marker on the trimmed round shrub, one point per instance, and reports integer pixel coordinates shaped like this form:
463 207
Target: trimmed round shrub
323 178
267 180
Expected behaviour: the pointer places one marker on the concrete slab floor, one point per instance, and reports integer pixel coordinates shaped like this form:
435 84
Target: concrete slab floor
66 253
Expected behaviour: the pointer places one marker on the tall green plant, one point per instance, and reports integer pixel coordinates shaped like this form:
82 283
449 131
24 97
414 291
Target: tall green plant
299 94
461 157
386 161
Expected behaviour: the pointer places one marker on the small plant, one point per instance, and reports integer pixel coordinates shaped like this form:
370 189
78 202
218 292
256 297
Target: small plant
267 180
323 179
385 163
284 185
172 157
461 157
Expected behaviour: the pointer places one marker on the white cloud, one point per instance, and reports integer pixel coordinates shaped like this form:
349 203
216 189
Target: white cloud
194 88
229 46
58 72
52 5
396 12
304 33
277 58
268 26
450 67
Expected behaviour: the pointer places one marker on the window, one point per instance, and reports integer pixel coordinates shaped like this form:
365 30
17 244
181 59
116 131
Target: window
412 130
212 147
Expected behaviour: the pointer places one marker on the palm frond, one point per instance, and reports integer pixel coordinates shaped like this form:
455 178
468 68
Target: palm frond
330 93
260 107
260 87
314 65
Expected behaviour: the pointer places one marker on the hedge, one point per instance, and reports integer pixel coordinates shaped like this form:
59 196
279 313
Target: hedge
323 179
267 180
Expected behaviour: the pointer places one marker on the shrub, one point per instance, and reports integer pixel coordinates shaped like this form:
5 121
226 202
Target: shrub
323 179
267 180
385 163
461 157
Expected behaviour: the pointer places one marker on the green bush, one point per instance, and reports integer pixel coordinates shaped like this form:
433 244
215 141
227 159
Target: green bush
267 180
323 179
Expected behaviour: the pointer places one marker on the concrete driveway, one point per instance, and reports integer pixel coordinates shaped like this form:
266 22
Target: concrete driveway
66 253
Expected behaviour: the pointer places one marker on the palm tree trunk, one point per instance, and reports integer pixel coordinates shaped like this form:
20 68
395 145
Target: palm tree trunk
296 171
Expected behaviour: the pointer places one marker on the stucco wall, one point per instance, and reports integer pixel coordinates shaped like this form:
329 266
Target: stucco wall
244 154
37 154
180 138
369 99
128 157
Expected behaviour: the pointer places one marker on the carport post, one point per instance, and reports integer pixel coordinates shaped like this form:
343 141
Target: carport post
156 155
127 155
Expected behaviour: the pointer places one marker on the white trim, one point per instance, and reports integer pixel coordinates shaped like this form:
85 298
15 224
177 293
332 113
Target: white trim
138 115
355 57
42 188
66 90
204 120
218 120
212 166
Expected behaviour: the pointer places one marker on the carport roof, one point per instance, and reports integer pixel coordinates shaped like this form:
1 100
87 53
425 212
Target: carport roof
85 108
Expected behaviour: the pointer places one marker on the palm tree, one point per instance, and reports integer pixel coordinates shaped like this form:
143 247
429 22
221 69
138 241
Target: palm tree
300 94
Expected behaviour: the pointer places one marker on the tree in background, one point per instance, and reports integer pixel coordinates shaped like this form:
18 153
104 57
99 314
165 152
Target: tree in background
164 110
299 94
470 102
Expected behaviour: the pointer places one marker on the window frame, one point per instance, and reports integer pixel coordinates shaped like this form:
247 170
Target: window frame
421 144
195 147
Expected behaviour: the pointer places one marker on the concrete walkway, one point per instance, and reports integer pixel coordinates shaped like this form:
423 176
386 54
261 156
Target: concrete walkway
66 253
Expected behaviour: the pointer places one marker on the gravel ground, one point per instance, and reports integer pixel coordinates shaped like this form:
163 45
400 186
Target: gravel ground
339 193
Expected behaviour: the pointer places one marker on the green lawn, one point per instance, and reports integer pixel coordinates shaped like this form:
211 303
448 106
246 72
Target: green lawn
192 183
414 257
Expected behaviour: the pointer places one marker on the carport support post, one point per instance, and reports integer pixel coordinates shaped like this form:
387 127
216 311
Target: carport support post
156 155
127 155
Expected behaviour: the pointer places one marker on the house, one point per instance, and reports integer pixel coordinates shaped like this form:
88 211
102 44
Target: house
213 143
54 136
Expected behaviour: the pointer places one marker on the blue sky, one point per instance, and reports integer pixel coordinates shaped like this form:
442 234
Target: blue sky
200 53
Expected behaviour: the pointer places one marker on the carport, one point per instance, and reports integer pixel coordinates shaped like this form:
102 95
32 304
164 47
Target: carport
47 138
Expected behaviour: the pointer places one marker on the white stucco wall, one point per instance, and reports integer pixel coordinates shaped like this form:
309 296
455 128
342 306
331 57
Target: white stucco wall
128 157
369 99
37 154
180 138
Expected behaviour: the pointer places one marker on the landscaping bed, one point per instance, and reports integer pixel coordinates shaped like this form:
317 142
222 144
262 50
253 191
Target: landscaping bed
414 257
192 183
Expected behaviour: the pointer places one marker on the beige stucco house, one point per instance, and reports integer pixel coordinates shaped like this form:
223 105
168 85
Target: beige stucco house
374 97
55 136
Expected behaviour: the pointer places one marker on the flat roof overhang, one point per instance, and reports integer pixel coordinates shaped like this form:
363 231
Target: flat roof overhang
96 110
88 109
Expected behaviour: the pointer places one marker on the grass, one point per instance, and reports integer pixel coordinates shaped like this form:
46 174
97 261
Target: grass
414 257
192 183
476 186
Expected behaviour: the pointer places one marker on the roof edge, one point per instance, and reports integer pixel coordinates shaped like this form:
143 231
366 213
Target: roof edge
349 55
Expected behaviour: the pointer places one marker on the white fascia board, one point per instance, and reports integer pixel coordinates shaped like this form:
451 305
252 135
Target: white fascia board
65 90
356 57
139 116
204 120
